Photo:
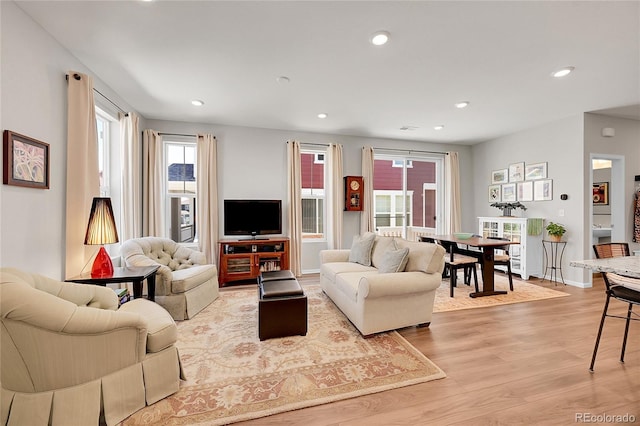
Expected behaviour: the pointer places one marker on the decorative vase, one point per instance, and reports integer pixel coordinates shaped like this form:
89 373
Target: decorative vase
506 212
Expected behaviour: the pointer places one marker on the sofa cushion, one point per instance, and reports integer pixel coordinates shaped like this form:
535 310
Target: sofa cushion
394 260
423 257
186 279
380 245
161 329
330 270
361 248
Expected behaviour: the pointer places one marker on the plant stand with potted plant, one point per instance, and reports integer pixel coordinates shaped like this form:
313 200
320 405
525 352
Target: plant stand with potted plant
553 256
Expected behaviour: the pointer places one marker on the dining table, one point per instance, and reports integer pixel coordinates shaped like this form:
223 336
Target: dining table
622 265
486 257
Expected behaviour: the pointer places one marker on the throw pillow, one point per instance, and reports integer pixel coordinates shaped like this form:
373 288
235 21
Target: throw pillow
361 248
423 257
380 246
394 261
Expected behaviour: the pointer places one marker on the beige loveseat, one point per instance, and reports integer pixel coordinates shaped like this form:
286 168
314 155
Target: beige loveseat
185 283
377 301
70 357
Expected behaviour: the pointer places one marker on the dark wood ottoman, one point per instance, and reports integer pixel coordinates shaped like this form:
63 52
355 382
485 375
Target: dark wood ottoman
282 306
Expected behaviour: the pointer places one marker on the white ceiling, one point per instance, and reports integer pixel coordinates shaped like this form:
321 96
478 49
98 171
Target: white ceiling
160 55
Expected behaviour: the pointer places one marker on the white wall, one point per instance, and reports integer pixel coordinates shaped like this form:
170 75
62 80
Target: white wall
252 164
33 103
560 145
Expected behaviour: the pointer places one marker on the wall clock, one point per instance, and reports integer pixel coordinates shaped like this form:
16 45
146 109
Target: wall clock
353 193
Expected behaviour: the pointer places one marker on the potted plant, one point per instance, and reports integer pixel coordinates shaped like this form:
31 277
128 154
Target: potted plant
556 231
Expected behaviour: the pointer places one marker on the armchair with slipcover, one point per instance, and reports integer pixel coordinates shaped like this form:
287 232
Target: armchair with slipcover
185 283
69 356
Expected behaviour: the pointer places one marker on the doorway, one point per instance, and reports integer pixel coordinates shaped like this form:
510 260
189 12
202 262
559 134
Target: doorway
607 206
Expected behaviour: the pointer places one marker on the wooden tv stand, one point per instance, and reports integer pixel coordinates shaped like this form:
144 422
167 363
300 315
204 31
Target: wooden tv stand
244 259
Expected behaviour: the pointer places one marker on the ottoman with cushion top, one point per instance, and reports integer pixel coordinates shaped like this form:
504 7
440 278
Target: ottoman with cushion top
282 306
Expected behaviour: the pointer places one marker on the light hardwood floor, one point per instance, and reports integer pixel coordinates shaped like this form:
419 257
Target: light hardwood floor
520 364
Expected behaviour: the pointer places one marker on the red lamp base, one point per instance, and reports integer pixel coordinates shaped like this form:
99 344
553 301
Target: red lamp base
102 265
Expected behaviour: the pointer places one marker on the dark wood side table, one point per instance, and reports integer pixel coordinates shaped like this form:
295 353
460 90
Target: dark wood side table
133 274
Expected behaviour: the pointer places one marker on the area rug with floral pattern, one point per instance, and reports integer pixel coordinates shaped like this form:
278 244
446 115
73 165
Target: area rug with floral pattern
522 292
233 376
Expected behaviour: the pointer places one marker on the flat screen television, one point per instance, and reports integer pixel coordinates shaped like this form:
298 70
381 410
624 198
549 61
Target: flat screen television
252 217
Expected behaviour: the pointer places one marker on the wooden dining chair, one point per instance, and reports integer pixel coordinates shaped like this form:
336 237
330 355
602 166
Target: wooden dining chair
618 287
503 258
455 261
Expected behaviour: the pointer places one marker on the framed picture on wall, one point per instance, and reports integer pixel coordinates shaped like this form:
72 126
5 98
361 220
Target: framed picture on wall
543 190
500 176
524 191
495 193
535 171
516 172
26 161
601 193
509 192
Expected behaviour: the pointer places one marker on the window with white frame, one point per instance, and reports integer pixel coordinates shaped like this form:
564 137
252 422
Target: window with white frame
313 194
407 194
180 183
108 139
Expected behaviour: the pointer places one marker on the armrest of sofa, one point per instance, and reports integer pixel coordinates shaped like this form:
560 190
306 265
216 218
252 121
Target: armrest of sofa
398 283
331 256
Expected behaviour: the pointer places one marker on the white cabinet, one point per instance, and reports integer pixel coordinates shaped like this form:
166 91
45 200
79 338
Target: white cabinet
526 257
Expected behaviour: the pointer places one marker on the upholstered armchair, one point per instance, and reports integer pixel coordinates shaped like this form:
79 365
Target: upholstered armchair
185 283
70 356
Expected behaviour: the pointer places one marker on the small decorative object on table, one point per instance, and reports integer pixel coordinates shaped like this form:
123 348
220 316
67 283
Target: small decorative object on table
508 207
556 231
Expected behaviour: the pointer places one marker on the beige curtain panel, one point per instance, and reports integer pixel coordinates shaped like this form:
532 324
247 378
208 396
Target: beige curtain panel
366 216
82 169
153 187
207 196
335 196
131 219
295 206
453 217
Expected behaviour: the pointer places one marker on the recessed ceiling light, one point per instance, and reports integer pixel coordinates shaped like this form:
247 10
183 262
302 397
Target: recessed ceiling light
283 79
411 128
323 115
462 104
438 127
563 72
197 102
380 38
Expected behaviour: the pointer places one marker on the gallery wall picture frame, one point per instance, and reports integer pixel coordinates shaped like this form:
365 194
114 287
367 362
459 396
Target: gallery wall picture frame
25 161
495 193
516 172
543 190
499 176
601 193
536 171
524 191
509 192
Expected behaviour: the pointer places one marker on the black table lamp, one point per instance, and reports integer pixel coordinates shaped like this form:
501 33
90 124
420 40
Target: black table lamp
101 230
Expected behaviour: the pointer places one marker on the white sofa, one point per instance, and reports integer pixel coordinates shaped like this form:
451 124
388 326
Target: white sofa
70 356
377 301
185 283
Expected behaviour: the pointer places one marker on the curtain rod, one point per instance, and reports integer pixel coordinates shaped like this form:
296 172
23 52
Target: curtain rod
78 77
315 144
177 134
411 150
